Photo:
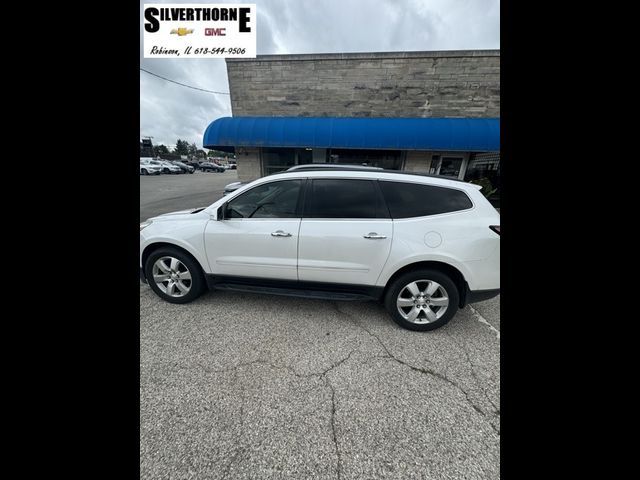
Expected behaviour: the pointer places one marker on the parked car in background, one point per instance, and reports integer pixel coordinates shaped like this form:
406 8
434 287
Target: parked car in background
211 167
168 167
192 163
150 162
184 167
424 246
150 169
233 166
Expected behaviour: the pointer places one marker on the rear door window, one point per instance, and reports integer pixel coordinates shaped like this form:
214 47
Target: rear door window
344 198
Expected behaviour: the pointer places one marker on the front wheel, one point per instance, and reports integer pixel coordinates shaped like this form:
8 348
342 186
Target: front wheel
144 171
174 275
422 300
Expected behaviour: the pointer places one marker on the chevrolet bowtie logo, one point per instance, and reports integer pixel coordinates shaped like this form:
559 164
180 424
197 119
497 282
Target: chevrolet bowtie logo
181 32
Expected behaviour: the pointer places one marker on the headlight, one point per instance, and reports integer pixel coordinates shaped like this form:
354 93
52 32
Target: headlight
145 224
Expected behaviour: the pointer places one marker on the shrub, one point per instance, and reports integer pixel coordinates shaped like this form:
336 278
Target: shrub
487 187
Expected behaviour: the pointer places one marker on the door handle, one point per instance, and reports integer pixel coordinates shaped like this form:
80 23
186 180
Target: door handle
374 236
280 233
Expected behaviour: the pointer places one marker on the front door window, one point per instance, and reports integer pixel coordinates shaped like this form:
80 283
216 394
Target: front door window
270 200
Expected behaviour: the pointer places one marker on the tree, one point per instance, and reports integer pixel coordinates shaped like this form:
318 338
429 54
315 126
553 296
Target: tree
160 150
201 154
217 153
193 149
182 147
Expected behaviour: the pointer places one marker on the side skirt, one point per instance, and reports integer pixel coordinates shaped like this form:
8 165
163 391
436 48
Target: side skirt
292 288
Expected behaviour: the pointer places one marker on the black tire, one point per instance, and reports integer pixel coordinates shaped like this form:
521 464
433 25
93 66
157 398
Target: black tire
144 171
198 284
419 275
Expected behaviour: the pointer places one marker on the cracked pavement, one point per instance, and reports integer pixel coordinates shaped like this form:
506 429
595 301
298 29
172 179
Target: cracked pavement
242 386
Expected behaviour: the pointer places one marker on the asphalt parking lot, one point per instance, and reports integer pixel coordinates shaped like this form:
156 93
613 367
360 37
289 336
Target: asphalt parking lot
166 193
253 386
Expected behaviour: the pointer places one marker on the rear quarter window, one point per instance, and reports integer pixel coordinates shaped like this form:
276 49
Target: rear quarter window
407 200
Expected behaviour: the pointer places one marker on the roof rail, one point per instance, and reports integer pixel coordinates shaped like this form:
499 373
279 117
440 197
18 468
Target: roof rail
359 168
331 166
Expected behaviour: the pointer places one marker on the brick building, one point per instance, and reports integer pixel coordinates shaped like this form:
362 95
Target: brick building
432 112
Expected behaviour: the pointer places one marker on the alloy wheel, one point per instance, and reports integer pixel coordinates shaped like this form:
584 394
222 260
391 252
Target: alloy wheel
422 301
171 276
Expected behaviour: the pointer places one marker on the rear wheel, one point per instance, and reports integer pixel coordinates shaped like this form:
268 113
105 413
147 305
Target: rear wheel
144 171
174 275
422 300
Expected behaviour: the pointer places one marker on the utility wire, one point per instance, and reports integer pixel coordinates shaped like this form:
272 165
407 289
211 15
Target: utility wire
184 85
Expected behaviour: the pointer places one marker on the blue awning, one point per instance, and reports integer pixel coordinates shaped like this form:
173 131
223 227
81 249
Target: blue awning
446 134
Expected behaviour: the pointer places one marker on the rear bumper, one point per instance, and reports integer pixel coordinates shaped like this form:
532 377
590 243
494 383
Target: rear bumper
468 296
481 295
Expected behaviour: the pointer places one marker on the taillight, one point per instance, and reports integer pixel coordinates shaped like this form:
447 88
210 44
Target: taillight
495 228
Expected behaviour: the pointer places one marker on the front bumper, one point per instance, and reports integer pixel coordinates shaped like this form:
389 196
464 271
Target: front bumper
143 279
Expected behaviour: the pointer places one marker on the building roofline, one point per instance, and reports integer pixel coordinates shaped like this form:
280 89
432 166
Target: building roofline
369 55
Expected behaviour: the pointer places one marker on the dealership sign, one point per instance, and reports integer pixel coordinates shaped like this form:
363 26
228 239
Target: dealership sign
198 30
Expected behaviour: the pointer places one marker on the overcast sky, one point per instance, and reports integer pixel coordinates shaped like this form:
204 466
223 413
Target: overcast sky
169 111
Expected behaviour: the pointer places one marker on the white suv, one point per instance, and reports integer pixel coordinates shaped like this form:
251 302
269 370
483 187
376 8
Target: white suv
426 246
149 169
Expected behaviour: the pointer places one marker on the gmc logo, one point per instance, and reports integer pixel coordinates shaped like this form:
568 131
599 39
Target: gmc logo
219 32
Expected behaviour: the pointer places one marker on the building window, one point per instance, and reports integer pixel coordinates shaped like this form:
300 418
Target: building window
435 164
276 160
387 159
484 169
450 167
304 156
